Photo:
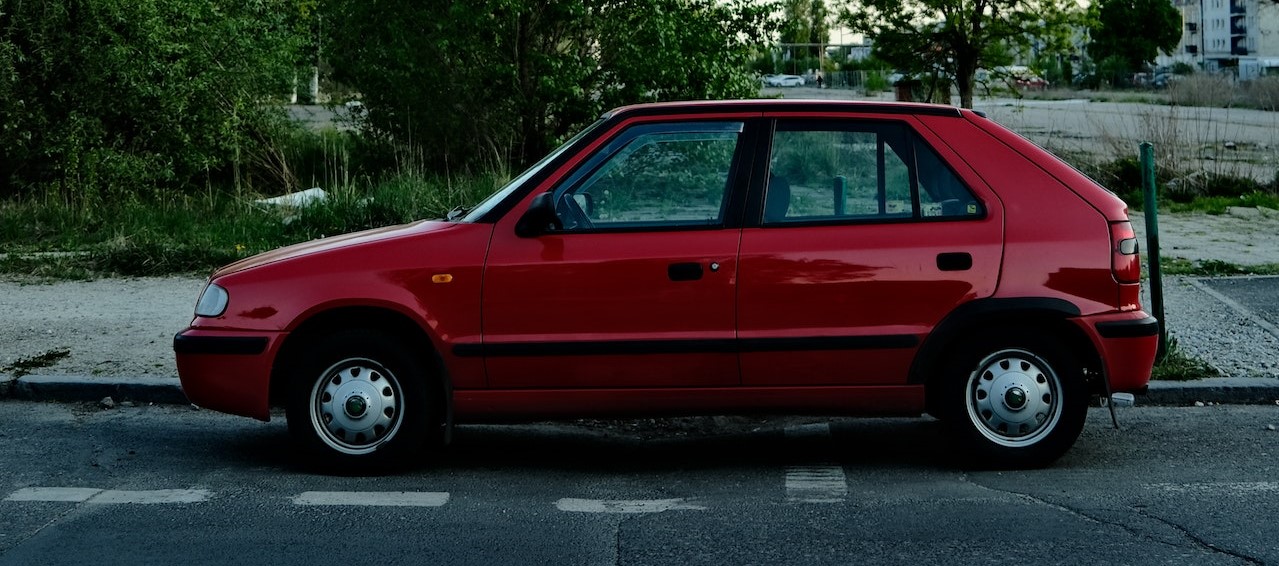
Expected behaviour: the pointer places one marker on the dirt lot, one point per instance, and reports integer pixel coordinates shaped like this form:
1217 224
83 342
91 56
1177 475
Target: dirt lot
124 327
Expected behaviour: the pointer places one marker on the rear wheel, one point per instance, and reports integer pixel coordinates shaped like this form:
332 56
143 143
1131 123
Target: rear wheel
357 402
1015 402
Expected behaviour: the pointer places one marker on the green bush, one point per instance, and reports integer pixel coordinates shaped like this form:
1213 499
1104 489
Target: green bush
107 97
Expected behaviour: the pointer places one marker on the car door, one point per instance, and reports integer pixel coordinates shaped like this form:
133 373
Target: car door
637 287
865 238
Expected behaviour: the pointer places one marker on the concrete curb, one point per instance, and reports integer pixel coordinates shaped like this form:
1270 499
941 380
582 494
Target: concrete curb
61 388
166 390
1224 390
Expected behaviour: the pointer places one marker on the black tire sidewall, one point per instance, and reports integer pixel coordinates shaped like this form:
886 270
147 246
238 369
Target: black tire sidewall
977 451
385 349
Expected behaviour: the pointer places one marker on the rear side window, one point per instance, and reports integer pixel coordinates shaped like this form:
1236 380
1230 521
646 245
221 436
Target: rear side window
859 171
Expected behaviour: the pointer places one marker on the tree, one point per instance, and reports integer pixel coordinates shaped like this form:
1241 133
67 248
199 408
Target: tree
805 21
951 39
1134 31
107 97
493 82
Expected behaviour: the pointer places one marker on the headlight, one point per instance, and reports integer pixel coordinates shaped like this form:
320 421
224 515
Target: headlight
212 301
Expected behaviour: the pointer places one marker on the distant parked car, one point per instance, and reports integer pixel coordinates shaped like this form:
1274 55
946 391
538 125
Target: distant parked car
784 80
705 258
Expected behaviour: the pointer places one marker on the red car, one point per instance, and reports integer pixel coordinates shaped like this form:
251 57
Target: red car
703 258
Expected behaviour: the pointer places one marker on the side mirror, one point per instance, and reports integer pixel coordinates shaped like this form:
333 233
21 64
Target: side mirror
540 218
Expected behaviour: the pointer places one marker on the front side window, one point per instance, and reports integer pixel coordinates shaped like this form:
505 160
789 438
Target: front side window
859 172
654 176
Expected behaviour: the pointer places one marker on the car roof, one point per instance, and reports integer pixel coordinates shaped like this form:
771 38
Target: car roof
779 105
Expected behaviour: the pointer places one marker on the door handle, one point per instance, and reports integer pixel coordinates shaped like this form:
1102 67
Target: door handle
684 271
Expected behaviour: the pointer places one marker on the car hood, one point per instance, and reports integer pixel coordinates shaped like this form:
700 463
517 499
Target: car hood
332 243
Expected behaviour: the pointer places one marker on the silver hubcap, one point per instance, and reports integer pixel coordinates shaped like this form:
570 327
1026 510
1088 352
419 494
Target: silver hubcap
1014 398
355 406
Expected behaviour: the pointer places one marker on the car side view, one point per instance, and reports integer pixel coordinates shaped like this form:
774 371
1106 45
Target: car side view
815 257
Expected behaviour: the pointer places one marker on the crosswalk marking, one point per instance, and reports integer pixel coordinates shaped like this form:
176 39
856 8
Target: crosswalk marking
625 506
109 496
816 484
54 494
373 498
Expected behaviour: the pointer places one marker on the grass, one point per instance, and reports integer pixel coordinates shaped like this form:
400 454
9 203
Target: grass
1177 365
23 366
49 238
1213 268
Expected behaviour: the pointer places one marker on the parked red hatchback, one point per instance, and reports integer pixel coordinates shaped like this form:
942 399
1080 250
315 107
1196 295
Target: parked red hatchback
705 257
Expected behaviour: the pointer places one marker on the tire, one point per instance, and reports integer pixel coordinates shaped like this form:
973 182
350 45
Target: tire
357 403
1014 402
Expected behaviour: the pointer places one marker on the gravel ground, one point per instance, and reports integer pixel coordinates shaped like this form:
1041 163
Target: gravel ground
124 327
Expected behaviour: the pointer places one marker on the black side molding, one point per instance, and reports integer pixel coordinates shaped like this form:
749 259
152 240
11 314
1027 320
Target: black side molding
719 346
1148 326
221 345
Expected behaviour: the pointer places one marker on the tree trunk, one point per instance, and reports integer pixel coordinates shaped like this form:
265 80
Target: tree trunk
965 73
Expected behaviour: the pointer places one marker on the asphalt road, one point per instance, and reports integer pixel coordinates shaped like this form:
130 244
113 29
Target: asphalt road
167 485
1260 295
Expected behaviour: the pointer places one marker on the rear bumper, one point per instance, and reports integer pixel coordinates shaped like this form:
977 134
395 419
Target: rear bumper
227 371
1127 343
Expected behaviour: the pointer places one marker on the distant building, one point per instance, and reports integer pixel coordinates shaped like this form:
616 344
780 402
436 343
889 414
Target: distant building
1237 36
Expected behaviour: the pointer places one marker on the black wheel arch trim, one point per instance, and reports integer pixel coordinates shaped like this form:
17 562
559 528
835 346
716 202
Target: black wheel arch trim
975 313
219 345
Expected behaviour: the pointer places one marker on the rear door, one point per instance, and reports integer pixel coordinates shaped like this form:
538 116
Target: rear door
868 233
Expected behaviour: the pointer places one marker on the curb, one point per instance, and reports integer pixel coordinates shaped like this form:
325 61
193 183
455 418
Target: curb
1221 390
166 390
74 389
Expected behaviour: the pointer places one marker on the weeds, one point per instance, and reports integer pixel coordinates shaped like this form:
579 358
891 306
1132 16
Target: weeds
1177 365
1213 268
23 366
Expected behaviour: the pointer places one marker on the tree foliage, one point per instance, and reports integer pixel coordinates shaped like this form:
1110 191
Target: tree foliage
500 81
128 95
950 39
805 21
1133 31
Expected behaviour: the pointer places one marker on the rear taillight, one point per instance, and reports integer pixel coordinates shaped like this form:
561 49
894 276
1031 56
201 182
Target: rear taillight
1125 261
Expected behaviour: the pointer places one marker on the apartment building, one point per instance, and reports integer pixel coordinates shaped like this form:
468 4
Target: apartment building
1237 36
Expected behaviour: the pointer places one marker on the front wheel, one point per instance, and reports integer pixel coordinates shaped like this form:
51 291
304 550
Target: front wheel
1015 402
357 402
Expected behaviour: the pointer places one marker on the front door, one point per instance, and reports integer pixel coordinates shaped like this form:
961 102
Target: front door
638 287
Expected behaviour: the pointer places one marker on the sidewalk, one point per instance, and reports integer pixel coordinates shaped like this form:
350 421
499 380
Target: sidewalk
113 337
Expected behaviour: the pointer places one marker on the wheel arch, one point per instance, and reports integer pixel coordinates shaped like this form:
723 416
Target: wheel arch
379 318
1045 314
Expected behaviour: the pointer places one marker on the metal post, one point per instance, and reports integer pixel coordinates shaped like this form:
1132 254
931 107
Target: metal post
1152 245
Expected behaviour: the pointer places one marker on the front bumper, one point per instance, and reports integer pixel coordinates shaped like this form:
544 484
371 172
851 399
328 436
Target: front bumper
227 371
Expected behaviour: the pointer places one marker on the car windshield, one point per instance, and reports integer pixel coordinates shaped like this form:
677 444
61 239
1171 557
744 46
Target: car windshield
487 204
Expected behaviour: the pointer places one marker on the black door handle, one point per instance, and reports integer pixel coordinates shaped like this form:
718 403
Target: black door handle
954 261
684 271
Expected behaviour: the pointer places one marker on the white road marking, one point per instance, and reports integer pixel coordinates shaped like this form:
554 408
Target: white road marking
109 496
373 498
816 484
625 506
156 496
1238 487
55 494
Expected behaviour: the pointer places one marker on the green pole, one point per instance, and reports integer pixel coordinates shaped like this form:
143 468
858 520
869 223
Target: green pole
1152 245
